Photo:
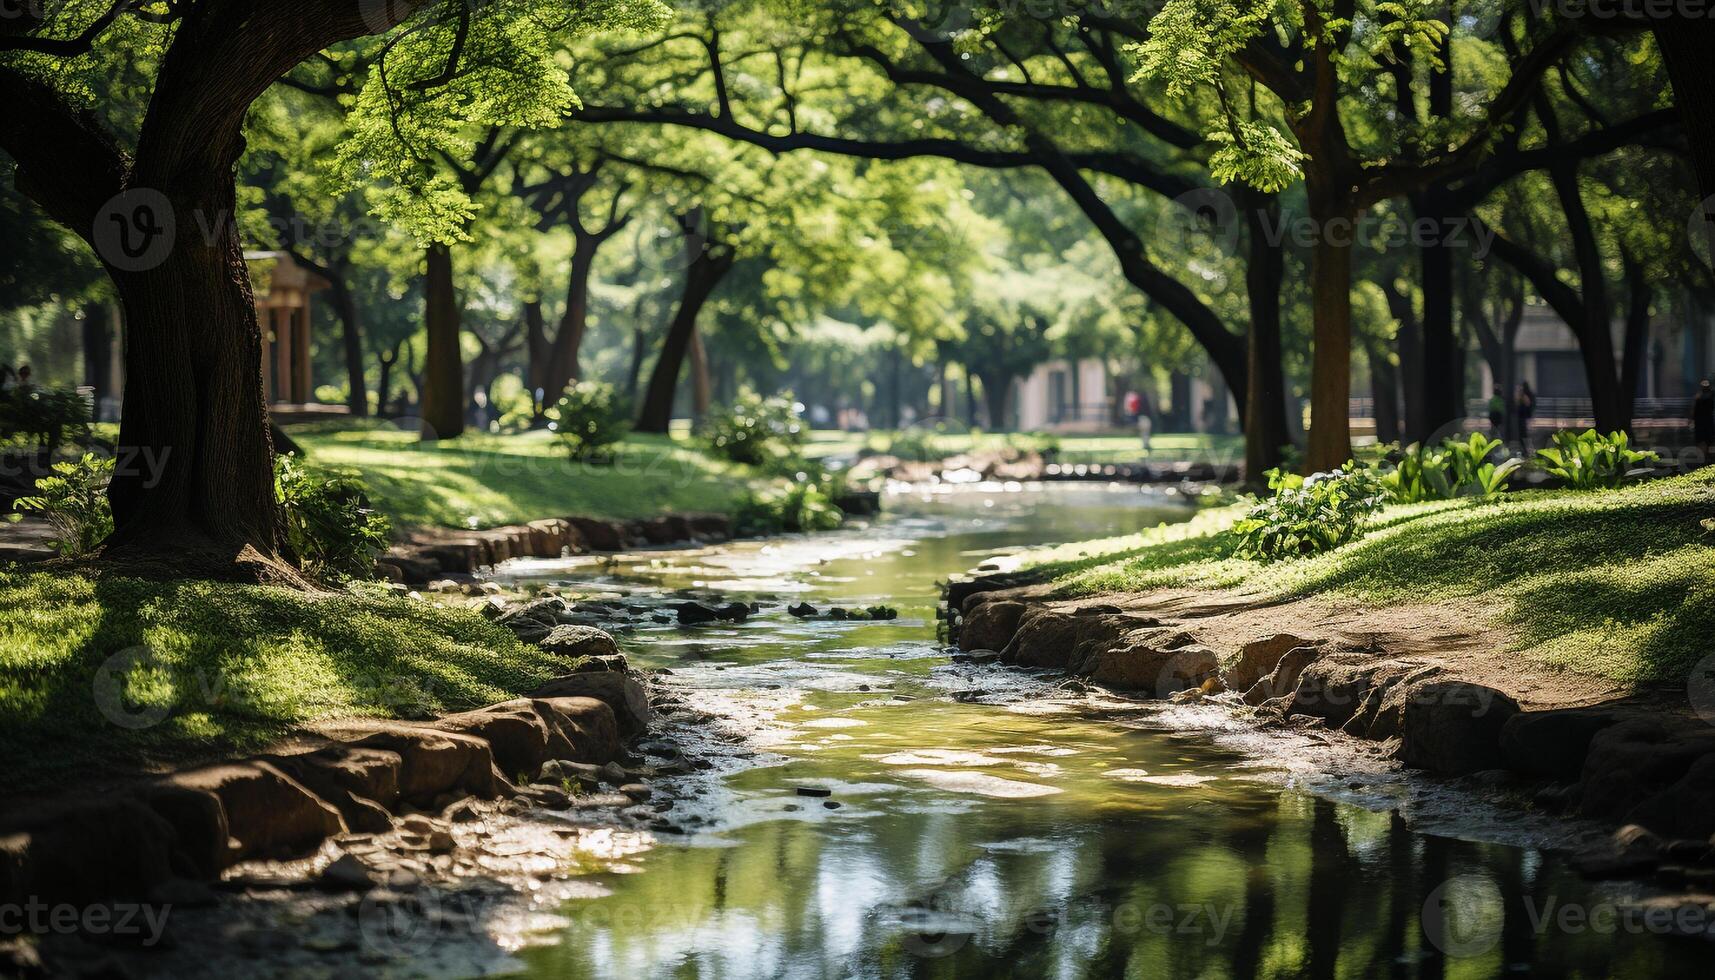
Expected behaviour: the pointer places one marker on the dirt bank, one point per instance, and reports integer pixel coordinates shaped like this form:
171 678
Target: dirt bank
1436 684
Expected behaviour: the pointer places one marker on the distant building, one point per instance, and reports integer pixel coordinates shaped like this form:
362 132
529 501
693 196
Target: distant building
283 291
1086 396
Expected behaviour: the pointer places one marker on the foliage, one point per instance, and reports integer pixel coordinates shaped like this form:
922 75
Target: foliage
592 416
755 430
1591 461
329 524
1308 515
790 506
51 415
74 502
1458 468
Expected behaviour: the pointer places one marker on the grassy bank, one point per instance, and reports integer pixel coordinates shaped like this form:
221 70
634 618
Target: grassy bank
481 480
116 673
1620 584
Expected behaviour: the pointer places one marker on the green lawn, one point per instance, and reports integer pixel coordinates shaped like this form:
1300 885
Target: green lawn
215 669
481 480
1619 584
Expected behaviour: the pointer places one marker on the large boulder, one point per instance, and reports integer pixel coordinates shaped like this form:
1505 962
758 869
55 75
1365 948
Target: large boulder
1049 637
516 734
1454 727
580 729
1686 808
990 625
619 690
433 761
1152 670
599 535
1357 693
84 850
362 784
579 641
268 813
1634 759
1258 659
1553 744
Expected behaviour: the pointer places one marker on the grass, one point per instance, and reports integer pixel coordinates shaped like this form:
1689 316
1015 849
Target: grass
114 674
1618 584
481 480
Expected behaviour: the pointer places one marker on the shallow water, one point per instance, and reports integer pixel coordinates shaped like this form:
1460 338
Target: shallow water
989 823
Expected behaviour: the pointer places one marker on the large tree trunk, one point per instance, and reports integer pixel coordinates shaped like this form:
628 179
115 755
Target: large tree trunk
634 370
351 339
1685 45
1331 365
562 367
997 389
700 386
702 274
536 352
1264 404
1384 391
443 369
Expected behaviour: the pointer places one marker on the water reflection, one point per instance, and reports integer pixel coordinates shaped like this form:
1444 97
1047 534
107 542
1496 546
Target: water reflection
975 831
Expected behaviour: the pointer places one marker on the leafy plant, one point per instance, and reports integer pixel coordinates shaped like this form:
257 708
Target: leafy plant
591 416
1591 461
1308 515
791 507
74 502
755 430
1457 468
329 525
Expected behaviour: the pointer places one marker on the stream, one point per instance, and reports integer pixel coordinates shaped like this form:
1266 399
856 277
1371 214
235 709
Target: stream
879 810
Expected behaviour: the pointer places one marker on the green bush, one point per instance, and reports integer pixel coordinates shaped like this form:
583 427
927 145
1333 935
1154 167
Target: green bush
329 525
51 416
1457 468
1591 461
755 430
1308 515
74 501
789 507
590 417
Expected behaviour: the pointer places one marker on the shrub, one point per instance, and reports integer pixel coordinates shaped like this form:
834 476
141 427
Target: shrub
329 525
1592 461
1457 468
755 430
591 416
50 415
793 507
1308 515
74 501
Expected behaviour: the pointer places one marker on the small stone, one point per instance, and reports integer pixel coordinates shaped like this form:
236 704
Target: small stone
695 613
802 610
347 873
441 842
831 804
637 791
613 775
814 791
735 612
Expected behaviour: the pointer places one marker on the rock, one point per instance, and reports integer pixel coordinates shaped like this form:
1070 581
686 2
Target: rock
1160 672
696 614
621 692
363 784
1635 759
579 641
434 761
1552 744
613 775
802 610
1284 679
734 612
990 625
184 894
516 733
348 873
882 613
582 774
266 811
1258 659
1630 852
831 804
1454 727
1358 693
1686 808
814 791
637 791
599 535
597 665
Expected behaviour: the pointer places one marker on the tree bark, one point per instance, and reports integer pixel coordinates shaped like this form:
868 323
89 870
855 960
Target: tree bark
997 392
536 362
351 339
1331 365
442 406
562 366
1384 391
1264 401
702 274
699 376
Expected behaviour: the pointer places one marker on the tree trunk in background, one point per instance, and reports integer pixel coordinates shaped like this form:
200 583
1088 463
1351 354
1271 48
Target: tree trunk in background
699 377
1442 387
702 274
351 340
97 351
1331 364
1384 390
1263 408
536 362
970 396
442 409
385 385
1685 46
996 389
634 371
562 368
